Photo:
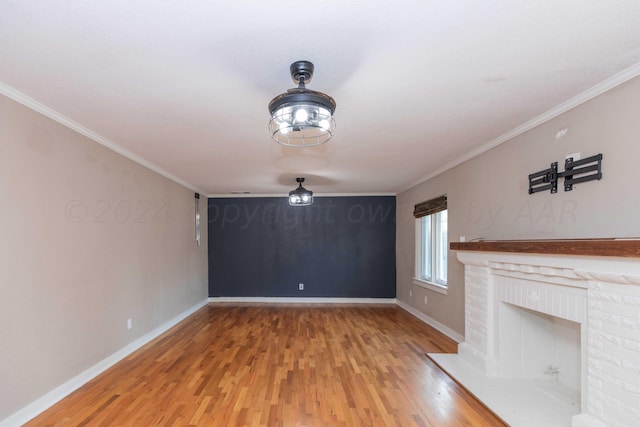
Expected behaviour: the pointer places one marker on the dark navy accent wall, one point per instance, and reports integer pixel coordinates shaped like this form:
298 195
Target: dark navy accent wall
337 247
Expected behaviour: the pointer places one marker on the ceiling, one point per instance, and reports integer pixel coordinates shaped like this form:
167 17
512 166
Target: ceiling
421 85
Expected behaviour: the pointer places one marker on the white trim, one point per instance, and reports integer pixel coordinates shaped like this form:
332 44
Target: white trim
38 406
432 322
31 103
441 289
299 300
276 195
602 87
419 279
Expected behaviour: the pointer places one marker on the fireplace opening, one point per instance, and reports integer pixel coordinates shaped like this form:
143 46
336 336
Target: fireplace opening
535 345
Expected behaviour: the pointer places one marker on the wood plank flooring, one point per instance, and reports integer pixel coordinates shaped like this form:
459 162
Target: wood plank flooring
279 365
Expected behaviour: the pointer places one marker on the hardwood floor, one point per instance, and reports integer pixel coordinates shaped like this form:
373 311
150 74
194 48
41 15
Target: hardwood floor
279 365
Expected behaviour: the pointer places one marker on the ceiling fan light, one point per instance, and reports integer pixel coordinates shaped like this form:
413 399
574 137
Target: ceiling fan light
284 128
324 124
301 115
306 115
300 196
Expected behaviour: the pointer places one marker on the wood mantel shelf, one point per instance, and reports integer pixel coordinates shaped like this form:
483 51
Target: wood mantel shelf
585 247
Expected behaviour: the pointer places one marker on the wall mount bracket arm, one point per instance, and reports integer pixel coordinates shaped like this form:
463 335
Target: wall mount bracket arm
544 180
576 172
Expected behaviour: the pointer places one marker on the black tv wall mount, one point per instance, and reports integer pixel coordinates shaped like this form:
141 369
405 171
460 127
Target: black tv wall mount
575 172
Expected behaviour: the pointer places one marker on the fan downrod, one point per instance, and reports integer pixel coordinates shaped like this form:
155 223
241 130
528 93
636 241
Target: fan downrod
301 71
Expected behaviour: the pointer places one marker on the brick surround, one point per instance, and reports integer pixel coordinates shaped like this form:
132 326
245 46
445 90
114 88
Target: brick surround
600 294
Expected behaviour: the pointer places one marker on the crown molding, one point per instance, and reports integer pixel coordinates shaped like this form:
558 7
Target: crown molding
38 107
275 195
602 87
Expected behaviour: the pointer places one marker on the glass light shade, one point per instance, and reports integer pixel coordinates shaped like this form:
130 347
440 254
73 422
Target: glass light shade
300 196
301 125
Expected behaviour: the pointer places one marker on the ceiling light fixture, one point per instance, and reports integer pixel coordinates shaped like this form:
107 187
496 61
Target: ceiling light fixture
300 196
301 117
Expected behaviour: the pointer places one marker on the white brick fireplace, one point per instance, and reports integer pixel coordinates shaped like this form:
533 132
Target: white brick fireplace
551 339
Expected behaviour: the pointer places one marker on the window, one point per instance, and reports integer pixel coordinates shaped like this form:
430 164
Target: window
431 244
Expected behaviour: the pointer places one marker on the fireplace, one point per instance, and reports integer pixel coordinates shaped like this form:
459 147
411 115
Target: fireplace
551 338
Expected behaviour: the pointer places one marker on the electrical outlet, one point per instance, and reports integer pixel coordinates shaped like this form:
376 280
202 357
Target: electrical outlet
410 293
426 300
301 287
129 324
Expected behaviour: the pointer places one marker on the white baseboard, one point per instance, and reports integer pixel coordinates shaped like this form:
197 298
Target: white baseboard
38 406
432 322
309 300
296 300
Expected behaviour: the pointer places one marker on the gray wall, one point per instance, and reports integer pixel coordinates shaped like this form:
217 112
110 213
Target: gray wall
88 239
487 195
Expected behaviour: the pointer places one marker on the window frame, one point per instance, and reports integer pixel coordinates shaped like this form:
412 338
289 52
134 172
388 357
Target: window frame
429 280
